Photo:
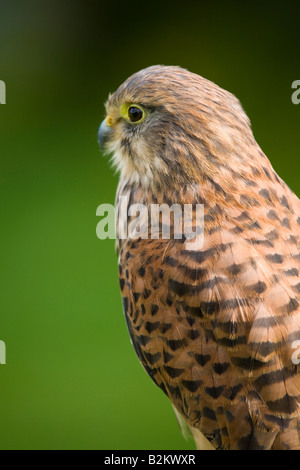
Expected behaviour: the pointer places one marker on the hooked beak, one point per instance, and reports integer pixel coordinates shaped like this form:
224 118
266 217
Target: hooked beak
104 134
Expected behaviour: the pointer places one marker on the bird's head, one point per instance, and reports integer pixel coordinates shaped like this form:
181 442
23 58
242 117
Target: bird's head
166 125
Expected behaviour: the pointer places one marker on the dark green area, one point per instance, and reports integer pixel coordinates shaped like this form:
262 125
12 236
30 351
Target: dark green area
72 380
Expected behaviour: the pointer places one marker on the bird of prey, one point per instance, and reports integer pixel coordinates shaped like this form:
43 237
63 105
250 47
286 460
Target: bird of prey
216 324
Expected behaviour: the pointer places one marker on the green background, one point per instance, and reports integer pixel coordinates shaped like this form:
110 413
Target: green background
72 380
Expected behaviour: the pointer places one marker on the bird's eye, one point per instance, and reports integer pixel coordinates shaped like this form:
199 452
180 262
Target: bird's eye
135 114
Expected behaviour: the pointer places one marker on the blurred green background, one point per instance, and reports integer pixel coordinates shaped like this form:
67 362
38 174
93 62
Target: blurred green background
72 380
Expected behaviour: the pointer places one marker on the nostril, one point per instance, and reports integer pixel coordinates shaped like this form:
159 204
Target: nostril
109 121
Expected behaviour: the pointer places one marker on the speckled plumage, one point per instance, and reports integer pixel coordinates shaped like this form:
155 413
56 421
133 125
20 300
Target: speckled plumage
214 327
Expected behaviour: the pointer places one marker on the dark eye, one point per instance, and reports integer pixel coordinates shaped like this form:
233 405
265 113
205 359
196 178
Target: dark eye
135 114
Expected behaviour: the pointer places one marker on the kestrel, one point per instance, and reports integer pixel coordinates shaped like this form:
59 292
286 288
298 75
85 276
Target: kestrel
216 324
